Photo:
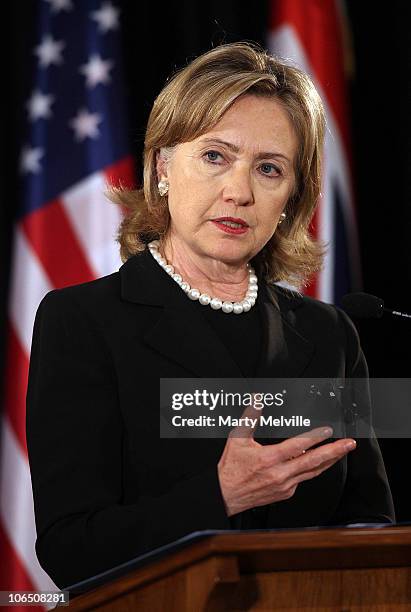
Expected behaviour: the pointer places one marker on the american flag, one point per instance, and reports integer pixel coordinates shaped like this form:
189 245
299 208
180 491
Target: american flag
313 34
76 142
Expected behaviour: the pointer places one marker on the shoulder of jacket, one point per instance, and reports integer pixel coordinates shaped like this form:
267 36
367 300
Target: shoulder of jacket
91 293
291 299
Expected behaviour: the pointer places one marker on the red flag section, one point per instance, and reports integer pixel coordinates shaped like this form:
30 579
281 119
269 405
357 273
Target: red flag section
312 34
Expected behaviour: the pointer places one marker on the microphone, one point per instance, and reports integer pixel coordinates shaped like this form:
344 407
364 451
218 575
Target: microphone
367 306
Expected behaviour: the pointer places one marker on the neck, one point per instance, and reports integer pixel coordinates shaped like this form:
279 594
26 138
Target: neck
216 278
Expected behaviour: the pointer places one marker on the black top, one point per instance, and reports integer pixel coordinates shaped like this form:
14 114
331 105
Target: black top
243 335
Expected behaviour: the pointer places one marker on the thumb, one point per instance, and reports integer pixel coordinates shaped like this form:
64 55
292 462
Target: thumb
248 422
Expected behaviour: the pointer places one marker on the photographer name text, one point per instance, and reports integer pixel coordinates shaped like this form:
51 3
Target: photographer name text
229 421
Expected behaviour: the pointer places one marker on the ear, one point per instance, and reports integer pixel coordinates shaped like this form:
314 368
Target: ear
161 167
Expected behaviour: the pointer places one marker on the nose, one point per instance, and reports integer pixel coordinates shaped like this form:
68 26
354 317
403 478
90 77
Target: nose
238 188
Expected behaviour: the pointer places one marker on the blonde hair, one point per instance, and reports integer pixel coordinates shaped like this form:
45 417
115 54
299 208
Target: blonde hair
190 104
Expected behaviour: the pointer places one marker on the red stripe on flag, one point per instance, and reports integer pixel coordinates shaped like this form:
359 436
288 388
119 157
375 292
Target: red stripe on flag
16 376
312 288
53 238
13 576
121 174
318 26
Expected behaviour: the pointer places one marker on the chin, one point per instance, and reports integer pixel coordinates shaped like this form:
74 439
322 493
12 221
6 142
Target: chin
230 256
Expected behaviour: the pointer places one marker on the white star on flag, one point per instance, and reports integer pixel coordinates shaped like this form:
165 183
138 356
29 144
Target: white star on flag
49 51
39 105
85 124
30 160
106 17
96 70
60 5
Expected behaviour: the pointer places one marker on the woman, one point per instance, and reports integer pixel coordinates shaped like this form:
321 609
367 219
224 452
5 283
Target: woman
231 180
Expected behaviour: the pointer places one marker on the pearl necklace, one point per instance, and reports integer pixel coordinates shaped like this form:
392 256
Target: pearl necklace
205 300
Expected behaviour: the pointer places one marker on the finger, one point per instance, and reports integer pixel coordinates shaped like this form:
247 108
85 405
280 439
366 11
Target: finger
317 471
298 445
315 459
294 482
249 421
314 462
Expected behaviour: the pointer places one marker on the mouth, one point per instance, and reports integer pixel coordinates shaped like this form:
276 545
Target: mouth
231 225
231 221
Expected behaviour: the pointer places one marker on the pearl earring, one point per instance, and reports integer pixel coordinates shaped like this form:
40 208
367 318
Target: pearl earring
163 187
282 217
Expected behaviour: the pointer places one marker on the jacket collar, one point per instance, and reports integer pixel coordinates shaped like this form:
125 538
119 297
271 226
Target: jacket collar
182 334
144 282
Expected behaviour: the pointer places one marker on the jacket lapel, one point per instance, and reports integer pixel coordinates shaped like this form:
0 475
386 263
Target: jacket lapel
181 333
285 353
184 335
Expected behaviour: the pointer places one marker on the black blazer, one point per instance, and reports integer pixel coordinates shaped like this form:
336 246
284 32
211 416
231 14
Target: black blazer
106 487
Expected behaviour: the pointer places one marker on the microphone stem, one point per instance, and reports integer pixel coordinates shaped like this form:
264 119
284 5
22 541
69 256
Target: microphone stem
397 313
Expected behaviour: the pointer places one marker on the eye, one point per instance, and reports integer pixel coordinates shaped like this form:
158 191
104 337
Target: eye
270 170
212 156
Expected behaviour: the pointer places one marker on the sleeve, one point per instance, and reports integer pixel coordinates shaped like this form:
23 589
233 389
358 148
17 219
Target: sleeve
75 437
366 497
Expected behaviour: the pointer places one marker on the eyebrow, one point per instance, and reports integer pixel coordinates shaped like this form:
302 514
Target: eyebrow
235 149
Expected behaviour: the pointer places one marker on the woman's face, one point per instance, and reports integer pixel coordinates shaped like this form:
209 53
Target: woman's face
240 169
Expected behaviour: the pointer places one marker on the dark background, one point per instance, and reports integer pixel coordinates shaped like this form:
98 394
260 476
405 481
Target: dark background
160 38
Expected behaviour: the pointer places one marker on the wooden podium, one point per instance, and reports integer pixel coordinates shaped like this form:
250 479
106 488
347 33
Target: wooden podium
326 570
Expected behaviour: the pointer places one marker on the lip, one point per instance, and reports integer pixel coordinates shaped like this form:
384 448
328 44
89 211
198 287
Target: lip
230 230
233 219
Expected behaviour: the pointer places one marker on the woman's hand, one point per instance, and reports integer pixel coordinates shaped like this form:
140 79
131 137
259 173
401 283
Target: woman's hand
253 475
